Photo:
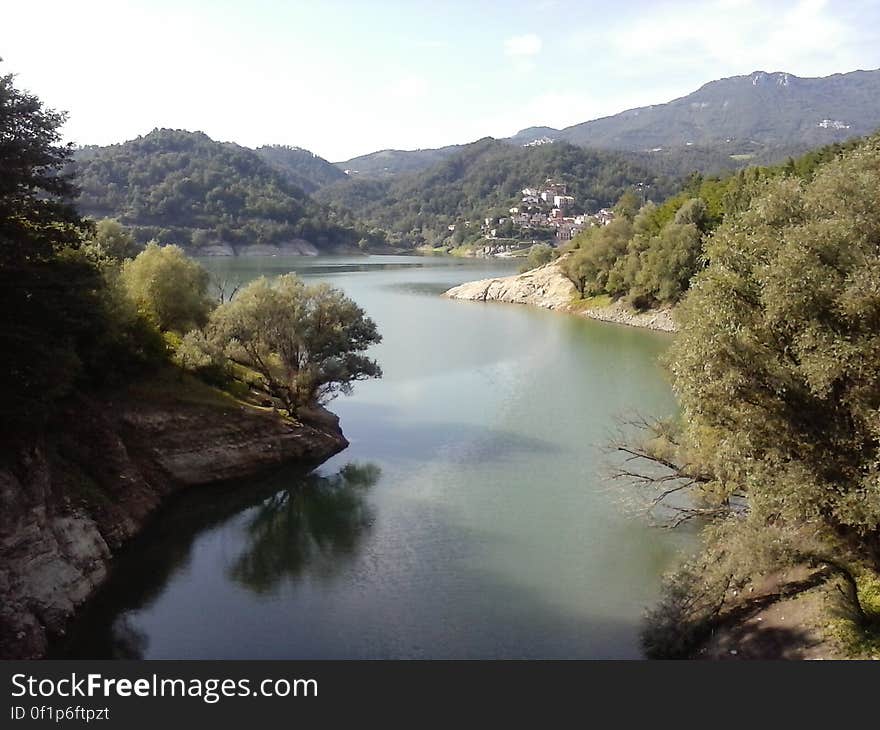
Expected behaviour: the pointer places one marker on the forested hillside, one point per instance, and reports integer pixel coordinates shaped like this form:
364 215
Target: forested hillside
487 176
649 254
300 167
776 371
183 187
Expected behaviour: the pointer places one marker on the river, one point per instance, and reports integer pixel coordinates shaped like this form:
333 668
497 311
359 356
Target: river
469 518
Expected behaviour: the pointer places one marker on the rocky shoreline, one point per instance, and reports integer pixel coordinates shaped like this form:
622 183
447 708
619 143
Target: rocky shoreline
72 498
547 287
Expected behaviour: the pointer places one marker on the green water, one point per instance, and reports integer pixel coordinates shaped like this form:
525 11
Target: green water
468 518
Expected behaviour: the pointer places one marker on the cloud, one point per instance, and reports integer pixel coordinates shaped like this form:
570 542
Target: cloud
520 46
806 37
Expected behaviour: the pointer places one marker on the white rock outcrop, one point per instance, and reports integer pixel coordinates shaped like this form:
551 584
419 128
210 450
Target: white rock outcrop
548 287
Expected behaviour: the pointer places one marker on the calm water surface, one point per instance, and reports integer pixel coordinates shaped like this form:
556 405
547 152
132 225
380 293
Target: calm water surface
468 518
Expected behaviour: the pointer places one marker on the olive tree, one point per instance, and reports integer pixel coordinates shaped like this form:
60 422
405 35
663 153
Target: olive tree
307 342
111 242
777 370
168 288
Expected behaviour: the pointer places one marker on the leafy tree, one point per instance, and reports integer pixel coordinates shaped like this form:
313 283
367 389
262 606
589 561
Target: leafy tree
628 205
168 288
111 242
668 263
598 249
777 369
306 341
539 254
36 215
47 302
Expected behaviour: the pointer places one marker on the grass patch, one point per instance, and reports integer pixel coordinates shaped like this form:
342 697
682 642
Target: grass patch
856 641
600 301
173 384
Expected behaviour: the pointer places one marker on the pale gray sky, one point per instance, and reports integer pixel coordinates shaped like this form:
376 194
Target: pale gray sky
346 78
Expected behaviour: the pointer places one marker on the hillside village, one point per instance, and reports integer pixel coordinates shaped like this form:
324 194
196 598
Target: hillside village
548 212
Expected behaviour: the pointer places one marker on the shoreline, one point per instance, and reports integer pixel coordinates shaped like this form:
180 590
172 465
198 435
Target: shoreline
547 287
72 498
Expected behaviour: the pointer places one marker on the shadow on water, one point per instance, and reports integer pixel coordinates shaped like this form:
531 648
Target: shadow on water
311 529
301 523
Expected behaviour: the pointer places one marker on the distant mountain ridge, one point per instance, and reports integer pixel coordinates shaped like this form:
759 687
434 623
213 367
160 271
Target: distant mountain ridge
764 109
761 117
393 162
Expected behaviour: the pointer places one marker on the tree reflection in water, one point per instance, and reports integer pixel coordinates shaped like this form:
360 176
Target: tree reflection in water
297 524
309 529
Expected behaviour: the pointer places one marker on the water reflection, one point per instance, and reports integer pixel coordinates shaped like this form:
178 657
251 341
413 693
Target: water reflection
309 529
296 523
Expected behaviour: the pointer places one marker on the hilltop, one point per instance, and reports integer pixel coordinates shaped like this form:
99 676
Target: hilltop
183 187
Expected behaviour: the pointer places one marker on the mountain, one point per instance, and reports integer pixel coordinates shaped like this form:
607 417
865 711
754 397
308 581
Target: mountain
744 115
301 168
485 178
534 136
394 162
185 188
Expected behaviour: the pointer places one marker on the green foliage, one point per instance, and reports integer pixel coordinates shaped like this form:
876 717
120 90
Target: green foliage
300 167
778 360
665 249
183 187
36 216
168 288
418 208
201 356
61 323
111 242
306 341
539 254
777 369
598 250
628 205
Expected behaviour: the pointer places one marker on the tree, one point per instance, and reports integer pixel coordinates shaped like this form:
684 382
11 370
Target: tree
628 205
111 242
669 262
168 288
598 250
306 341
539 254
777 369
36 215
49 308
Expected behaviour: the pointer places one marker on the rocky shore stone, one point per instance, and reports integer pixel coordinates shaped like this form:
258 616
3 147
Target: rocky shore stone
546 286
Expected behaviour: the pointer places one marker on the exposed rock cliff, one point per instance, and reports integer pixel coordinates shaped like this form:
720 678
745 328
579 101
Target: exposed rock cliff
71 498
548 287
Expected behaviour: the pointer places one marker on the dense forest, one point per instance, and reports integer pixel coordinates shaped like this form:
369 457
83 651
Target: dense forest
85 307
300 167
184 188
649 253
483 179
775 451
